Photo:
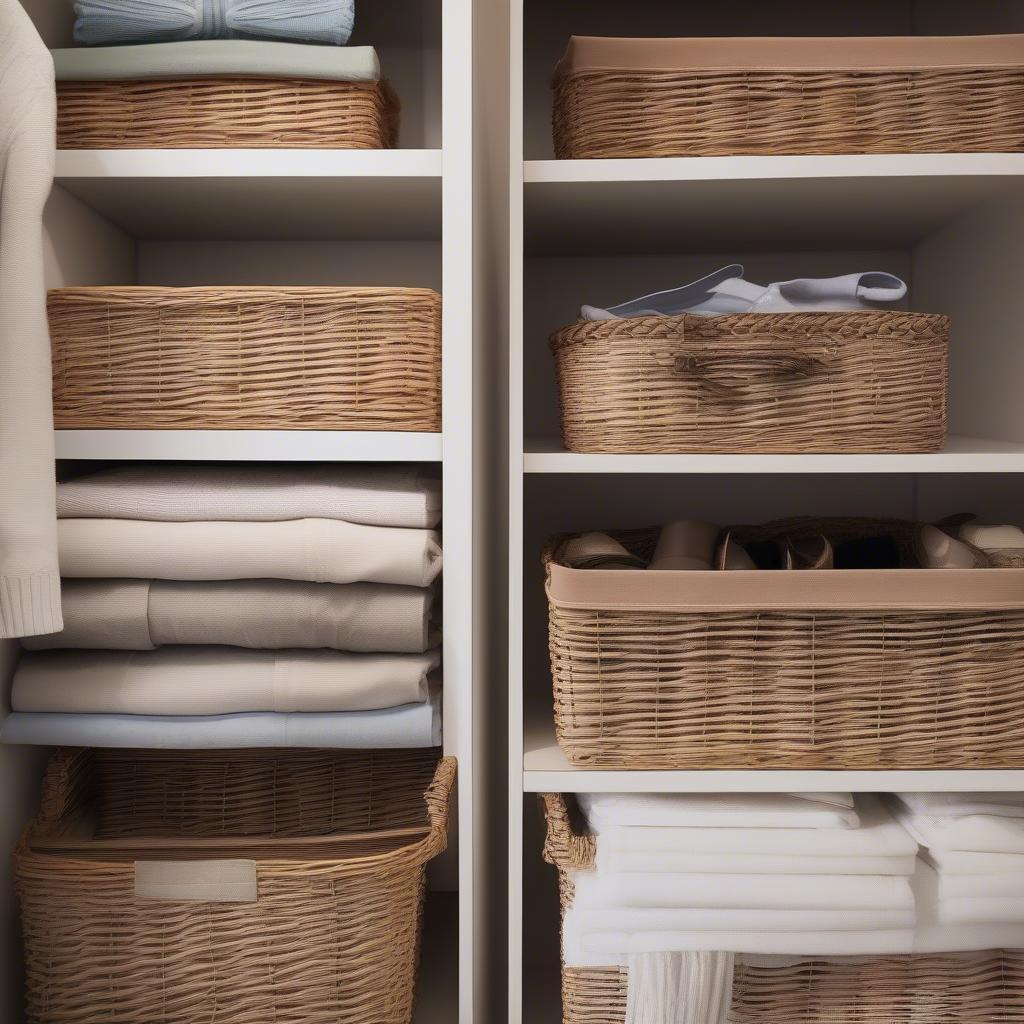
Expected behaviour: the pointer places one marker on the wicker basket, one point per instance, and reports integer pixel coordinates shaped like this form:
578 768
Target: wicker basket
958 988
723 97
755 382
338 842
246 358
830 669
217 112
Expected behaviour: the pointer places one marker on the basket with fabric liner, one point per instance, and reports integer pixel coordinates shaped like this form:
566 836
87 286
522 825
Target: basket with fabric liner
763 96
246 358
311 908
826 669
755 382
209 112
966 988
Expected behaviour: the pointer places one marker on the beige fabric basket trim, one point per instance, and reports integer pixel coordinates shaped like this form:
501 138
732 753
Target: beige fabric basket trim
968 988
246 358
207 112
868 53
334 934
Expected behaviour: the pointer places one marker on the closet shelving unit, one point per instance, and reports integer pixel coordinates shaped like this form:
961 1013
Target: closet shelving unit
310 217
601 231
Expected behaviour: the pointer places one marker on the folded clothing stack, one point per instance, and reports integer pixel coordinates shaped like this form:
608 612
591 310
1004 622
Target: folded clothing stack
970 885
760 874
218 606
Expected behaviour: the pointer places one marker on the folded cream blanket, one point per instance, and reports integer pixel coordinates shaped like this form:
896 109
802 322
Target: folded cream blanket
315 550
726 810
747 892
961 805
708 919
139 615
409 726
227 57
371 495
217 681
879 835
958 862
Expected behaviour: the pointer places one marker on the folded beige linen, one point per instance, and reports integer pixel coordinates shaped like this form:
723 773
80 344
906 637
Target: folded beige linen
139 615
217 681
315 550
371 495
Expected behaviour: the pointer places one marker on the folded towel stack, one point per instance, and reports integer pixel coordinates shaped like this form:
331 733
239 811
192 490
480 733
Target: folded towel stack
971 881
761 874
238 604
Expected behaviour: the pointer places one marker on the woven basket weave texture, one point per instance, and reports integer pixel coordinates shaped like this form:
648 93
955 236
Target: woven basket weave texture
340 841
246 358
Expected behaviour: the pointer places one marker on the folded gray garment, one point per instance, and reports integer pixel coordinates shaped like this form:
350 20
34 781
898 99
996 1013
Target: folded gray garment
217 681
411 726
230 58
315 550
140 615
370 495
149 21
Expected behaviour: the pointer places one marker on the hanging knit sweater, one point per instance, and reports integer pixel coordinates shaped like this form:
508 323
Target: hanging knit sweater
29 577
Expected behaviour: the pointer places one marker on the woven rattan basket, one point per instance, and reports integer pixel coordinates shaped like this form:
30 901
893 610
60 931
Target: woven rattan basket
829 669
958 988
755 382
246 358
216 112
336 841
722 97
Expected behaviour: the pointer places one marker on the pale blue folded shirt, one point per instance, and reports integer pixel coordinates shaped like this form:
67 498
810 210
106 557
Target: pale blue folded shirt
408 726
103 22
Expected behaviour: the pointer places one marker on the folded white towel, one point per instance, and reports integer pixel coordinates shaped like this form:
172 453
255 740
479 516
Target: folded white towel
705 919
182 492
679 988
612 859
315 550
712 810
992 537
879 835
976 833
976 910
967 887
960 805
942 936
217 681
139 615
748 892
725 291
958 862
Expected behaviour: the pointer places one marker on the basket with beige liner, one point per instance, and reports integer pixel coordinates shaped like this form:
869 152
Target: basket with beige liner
159 887
765 96
868 381
246 358
893 668
968 988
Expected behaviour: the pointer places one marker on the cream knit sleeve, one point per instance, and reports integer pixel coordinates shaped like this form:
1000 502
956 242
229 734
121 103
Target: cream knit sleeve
29 575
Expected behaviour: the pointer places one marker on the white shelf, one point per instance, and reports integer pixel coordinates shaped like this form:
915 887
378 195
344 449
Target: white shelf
716 204
961 455
260 193
546 770
249 445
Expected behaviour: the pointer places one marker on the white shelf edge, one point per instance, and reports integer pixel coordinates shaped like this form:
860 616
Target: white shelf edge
546 770
552 172
248 163
961 455
249 445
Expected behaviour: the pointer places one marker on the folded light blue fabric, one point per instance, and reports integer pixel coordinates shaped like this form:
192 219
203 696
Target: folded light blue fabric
99 22
409 726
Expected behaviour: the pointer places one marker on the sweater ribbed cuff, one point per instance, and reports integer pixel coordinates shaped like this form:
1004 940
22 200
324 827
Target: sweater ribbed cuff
30 604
